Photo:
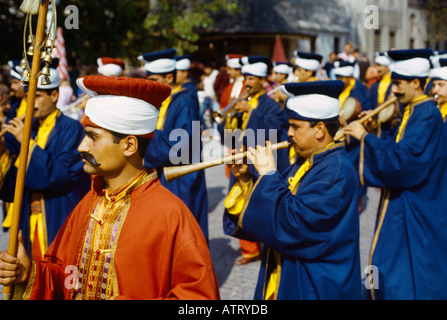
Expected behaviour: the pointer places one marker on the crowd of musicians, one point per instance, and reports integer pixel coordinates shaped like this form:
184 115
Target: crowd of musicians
96 196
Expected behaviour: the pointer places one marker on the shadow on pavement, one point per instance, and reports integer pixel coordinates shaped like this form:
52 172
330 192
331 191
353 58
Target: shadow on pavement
215 196
223 256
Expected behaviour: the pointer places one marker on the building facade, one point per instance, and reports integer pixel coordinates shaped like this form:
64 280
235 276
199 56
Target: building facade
320 26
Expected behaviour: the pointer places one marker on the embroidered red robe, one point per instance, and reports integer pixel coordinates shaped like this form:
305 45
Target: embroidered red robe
159 251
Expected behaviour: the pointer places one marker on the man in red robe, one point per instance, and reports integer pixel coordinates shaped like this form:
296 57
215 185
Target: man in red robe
129 238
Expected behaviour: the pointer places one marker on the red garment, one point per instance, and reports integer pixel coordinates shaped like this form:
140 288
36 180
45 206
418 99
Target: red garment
221 82
160 251
249 249
226 99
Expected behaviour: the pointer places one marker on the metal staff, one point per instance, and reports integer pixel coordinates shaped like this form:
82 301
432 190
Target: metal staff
28 6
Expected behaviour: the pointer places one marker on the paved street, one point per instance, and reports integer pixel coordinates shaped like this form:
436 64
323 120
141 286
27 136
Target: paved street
238 282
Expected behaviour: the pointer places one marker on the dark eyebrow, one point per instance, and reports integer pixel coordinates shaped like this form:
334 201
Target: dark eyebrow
90 132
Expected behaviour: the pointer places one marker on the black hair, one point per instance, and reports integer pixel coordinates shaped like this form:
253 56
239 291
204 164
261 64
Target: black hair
143 143
423 82
174 74
49 91
332 126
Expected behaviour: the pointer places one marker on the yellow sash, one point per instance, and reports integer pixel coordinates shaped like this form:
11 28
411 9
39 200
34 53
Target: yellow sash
22 108
443 110
383 88
164 108
253 102
405 118
346 92
292 155
234 202
37 220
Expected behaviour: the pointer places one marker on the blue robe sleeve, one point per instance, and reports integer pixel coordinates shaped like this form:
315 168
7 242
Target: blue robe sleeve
58 167
361 93
387 164
301 225
165 143
373 96
268 116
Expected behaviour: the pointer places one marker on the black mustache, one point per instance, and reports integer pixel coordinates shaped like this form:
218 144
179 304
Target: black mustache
90 159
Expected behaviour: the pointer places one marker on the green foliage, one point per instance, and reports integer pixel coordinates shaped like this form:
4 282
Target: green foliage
436 11
11 23
118 28
128 28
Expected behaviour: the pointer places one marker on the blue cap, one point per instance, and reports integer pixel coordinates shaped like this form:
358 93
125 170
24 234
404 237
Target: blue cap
159 62
440 71
308 55
183 62
16 72
153 56
255 65
410 64
313 101
402 55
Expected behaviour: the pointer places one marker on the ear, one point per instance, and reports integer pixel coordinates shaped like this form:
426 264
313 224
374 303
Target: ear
320 130
416 84
170 78
54 96
130 145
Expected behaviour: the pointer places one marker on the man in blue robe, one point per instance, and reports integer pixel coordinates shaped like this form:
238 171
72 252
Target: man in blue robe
257 119
438 76
308 216
353 88
408 247
259 112
55 181
177 139
380 92
18 103
183 76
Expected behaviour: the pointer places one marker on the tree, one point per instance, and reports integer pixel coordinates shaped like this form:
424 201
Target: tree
11 37
118 28
436 11
128 28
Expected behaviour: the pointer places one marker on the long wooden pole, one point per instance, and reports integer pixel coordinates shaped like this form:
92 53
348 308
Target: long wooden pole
23 157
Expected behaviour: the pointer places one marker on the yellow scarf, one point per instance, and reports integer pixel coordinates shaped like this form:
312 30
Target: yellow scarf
292 155
253 102
383 88
22 108
443 110
346 92
405 118
37 220
234 202
164 108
